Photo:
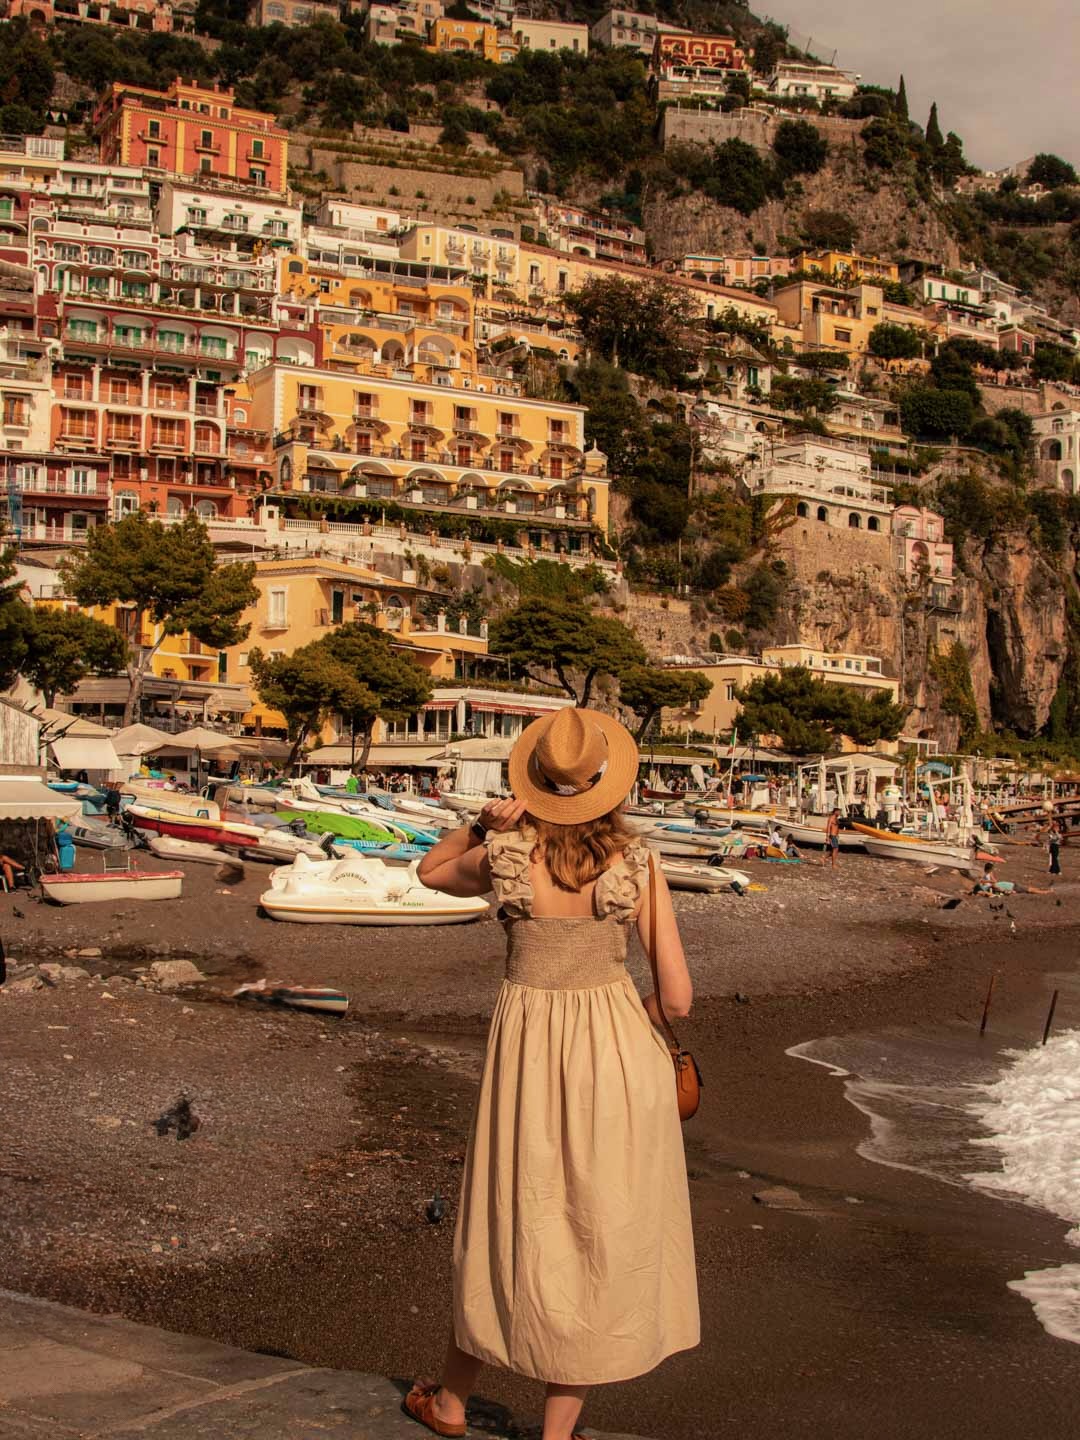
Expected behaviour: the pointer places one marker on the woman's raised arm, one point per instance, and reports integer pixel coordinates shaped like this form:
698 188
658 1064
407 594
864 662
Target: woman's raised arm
458 864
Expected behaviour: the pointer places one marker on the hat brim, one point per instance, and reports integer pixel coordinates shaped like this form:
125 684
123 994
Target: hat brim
606 795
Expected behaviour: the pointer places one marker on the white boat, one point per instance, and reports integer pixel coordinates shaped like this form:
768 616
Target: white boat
361 890
681 847
810 830
93 833
705 878
115 885
465 801
926 852
166 847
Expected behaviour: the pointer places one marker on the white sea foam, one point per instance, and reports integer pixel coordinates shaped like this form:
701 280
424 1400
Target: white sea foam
1033 1114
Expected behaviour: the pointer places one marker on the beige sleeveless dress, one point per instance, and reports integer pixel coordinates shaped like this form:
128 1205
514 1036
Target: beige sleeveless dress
573 1254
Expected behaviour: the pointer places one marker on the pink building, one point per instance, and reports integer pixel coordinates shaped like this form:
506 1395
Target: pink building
147 15
921 547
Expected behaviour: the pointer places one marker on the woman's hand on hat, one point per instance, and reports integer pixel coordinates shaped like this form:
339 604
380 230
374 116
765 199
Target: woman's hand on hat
501 814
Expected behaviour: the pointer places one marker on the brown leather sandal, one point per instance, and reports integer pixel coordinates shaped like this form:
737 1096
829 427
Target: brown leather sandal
419 1404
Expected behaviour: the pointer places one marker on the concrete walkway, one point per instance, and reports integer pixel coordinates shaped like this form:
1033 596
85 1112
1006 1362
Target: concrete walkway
69 1375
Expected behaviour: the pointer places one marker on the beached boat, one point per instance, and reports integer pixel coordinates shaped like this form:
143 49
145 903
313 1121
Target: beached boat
708 879
206 829
927 852
681 847
94 834
320 821
115 885
320 999
166 847
810 830
359 890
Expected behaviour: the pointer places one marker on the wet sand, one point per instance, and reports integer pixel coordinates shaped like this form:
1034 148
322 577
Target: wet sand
293 1220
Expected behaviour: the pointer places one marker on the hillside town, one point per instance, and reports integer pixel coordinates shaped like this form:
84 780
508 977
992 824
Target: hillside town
385 384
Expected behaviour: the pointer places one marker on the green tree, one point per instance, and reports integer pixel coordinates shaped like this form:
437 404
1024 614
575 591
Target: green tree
27 75
306 687
934 138
902 100
391 687
952 671
566 638
739 177
648 689
829 229
1053 362
894 342
934 414
645 327
171 576
61 647
885 143
769 47
800 147
809 716
1051 171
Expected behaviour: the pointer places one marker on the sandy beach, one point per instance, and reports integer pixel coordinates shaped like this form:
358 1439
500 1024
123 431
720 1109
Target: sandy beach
293 1220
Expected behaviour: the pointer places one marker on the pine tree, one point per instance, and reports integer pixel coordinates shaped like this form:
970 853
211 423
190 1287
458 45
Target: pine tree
901 101
934 137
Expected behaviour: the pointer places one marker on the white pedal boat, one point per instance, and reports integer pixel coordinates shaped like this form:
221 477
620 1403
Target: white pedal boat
165 847
361 890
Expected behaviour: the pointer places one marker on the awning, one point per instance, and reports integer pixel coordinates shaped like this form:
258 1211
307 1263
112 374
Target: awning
25 797
441 705
396 757
85 752
490 707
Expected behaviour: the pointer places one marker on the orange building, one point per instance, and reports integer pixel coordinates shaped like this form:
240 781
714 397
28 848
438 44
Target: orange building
192 130
699 52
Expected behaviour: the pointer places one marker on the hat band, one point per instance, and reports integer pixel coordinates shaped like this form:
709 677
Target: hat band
566 791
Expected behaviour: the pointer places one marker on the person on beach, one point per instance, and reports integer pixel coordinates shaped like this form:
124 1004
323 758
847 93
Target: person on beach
573 1252
1053 845
989 884
832 839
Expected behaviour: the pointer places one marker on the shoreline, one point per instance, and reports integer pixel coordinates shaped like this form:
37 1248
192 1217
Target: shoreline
815 1318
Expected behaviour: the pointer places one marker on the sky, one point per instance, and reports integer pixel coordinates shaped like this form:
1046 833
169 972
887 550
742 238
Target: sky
1003 73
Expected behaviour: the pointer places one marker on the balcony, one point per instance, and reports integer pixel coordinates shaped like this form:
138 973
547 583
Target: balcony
207 407
123 440
91 488
168 441
208 445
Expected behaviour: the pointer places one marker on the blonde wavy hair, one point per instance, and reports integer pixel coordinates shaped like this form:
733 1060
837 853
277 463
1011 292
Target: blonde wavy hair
577 855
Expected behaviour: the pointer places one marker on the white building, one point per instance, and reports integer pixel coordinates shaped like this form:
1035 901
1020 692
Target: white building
830 483
225 213
1057 437
550 35
796 80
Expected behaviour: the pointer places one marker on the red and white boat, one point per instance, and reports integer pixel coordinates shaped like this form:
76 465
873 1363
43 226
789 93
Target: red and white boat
207 828
113 885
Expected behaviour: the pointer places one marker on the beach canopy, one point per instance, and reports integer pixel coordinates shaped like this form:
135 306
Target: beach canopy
139 740
26 797
202 738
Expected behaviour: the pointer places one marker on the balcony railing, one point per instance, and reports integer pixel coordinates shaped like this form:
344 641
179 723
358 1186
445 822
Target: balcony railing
53 485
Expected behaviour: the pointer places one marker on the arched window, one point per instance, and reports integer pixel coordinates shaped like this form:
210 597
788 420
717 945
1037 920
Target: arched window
286 471
822 513
175 506
125 502
240 416
1068 482
206 509
1053 450
802 509
872 523
853 521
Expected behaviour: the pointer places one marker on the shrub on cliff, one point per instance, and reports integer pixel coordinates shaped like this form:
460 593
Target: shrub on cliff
929 413
894 342
800 147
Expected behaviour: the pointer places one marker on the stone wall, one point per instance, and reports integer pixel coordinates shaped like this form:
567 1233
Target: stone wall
663 626
443 193
753 127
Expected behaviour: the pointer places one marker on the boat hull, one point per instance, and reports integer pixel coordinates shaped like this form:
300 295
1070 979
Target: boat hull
75 889
305 912
705 879
920 852
199 829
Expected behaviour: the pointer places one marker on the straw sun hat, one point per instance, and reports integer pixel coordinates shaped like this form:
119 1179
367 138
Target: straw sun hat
573 766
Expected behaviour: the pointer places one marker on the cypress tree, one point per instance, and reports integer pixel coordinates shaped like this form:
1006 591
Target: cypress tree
934 137
901 101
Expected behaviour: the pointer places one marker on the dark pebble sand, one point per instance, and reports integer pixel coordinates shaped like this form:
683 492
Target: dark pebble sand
293 1219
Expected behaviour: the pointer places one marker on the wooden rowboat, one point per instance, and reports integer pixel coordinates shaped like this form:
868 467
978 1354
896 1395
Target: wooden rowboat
74 889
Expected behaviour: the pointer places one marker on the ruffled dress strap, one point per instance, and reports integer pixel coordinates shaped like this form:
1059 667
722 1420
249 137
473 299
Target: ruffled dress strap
509 854
621 888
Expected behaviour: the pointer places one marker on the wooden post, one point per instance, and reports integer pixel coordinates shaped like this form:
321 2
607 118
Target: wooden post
1050 1017
986 1005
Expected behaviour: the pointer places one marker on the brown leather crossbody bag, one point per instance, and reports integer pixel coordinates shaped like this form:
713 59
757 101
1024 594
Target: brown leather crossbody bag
688 1081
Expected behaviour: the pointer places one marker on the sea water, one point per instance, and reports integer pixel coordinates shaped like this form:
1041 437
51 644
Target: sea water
1004 1121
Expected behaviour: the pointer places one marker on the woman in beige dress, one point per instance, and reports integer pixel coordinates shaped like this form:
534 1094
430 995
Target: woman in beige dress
573 1254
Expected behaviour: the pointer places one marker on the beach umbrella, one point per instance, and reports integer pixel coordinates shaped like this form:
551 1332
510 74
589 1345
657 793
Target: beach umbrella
140 740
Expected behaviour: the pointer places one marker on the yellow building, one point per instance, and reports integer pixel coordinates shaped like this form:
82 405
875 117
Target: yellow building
826 317
720 710
469 446
397 320
303 599
504 269
471 37
847 263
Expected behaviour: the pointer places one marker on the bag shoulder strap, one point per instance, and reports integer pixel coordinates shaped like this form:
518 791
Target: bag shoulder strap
665 1023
